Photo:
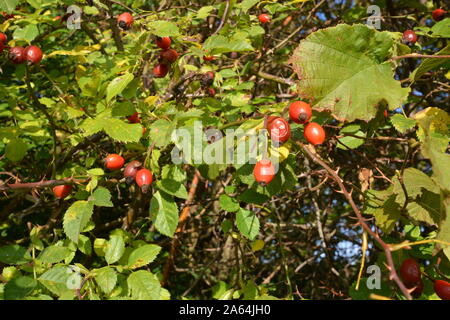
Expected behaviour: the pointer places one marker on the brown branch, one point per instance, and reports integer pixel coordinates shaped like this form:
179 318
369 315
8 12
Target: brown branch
39 185
275 78
113 25
416 55
361 221
181 222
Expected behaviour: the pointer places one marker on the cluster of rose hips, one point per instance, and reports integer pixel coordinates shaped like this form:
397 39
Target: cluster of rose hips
133 171
167 55
280 132
410 37
412 278
17 54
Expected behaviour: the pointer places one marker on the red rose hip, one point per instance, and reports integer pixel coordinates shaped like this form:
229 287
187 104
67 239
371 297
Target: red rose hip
164 42
125 20
410 271
264 172
264 18
279 129
442 289
438 14
300 112
114 161
314 133
62 191
409 36
144 179
33 54
169 55
160 70
16 54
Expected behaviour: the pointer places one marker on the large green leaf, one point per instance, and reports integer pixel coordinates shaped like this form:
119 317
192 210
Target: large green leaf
382 205
114 249
14 254
143 255
247 223
106 279
8 5
345 69
76 218
117 85
163 28
101 197
144 285
54 254
19 288
164 213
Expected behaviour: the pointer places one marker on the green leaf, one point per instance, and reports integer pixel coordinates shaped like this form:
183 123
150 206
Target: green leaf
430 64
106 279
19 288
54 254
426 208
16 150
28 33
101 197
163 28
57 280
382 205
440 162
442 28
161 132
247 223
252 196
84 245
122 131
172 187
114 249
348 75
401 123
117 85
415 181
349 141
76 218
173 172
143 255
14 254
144 285
164 213
245 5
8 5
228 204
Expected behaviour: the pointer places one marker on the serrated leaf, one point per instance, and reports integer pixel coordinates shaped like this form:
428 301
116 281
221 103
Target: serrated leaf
228 204
252 196
28 33
57 279
161 132
144 285
143 255
415 181
401 123
163 28
172 187
84 245
76 218
18 288
8 5
106 279
247 223
351 142
114 249
16 150
344 69
14 254
122 131
164 213
54 254
117 85
426 208
101 197
382 205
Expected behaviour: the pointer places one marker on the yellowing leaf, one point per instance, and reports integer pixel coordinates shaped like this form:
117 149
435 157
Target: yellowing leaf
80 51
